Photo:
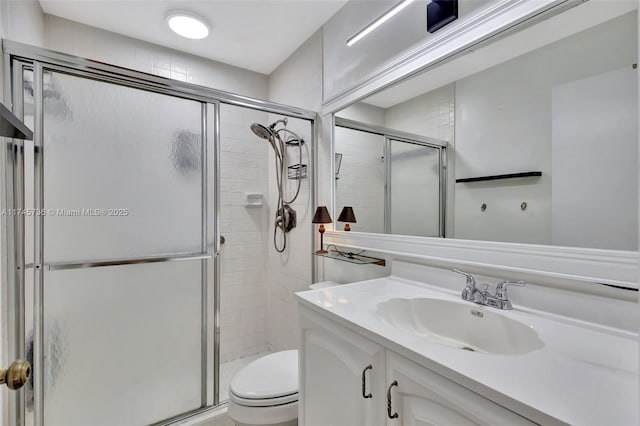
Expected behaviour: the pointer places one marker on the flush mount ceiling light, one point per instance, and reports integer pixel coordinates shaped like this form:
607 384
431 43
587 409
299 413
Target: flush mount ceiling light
379 21
187 24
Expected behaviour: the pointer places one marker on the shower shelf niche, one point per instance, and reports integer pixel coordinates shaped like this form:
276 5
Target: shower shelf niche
253 199
356 258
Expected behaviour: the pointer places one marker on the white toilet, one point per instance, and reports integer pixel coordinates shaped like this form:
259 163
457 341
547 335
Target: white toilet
265 392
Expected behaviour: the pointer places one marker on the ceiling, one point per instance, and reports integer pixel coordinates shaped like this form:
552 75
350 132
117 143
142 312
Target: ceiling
253 34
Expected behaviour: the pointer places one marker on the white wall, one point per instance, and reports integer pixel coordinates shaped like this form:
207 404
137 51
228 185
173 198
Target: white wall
297 81
503 125
595 165
23 21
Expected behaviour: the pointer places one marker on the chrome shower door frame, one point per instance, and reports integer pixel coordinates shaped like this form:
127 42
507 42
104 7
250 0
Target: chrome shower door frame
19 56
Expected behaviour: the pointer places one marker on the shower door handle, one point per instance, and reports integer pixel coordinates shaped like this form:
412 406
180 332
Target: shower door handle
16 375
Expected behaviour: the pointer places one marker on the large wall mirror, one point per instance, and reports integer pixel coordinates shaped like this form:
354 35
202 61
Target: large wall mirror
531 137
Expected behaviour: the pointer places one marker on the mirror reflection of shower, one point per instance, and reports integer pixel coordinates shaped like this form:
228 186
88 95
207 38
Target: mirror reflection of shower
279 139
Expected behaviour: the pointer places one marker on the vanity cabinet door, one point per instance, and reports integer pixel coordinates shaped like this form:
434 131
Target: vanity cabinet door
333 363
421 397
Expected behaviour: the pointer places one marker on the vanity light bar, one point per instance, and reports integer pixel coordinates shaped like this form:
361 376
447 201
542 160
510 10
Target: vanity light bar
379 21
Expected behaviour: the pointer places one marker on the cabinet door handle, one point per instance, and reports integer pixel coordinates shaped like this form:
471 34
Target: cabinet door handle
394 415
366 395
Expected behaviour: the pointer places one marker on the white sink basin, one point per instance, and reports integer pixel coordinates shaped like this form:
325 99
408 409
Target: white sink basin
461 325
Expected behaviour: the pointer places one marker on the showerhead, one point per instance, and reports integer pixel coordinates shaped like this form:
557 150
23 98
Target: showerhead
261 131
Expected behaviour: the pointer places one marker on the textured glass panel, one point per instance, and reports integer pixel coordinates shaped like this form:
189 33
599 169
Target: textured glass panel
125 164
415 189
122 344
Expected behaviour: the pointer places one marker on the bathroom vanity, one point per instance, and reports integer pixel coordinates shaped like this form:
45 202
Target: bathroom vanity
396 351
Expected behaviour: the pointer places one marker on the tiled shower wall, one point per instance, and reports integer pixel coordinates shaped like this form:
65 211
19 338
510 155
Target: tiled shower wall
243 285
289 271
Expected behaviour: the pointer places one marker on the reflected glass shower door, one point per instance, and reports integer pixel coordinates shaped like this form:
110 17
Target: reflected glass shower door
414 198
119 334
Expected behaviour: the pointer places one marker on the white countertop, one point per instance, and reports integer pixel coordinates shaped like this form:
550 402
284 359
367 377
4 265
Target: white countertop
584 375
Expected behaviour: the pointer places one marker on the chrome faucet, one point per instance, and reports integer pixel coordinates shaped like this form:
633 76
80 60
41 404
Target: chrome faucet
470 292
501 300
502 297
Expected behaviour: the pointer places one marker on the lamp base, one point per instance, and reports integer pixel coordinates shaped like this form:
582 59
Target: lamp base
321 252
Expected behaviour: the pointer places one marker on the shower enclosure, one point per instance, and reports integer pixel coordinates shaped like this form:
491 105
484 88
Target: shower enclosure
112 252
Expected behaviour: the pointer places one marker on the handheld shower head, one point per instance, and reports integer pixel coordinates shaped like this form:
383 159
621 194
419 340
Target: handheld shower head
285 215
261 131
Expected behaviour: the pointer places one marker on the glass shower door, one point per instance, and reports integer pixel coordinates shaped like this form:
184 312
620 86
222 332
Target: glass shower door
119 334
414 196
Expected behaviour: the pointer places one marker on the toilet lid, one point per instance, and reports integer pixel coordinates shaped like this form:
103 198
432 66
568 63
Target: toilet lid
270 376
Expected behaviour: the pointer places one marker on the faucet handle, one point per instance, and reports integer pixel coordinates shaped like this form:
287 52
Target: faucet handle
501 288
470 278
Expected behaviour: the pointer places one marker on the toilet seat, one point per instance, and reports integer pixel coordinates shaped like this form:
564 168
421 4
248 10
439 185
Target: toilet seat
264 402
271 376
266 390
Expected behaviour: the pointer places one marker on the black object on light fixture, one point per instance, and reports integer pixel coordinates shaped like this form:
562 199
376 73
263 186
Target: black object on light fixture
348 216
441 13
322 216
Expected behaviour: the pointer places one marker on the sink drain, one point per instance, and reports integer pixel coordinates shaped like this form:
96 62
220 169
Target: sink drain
467 348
